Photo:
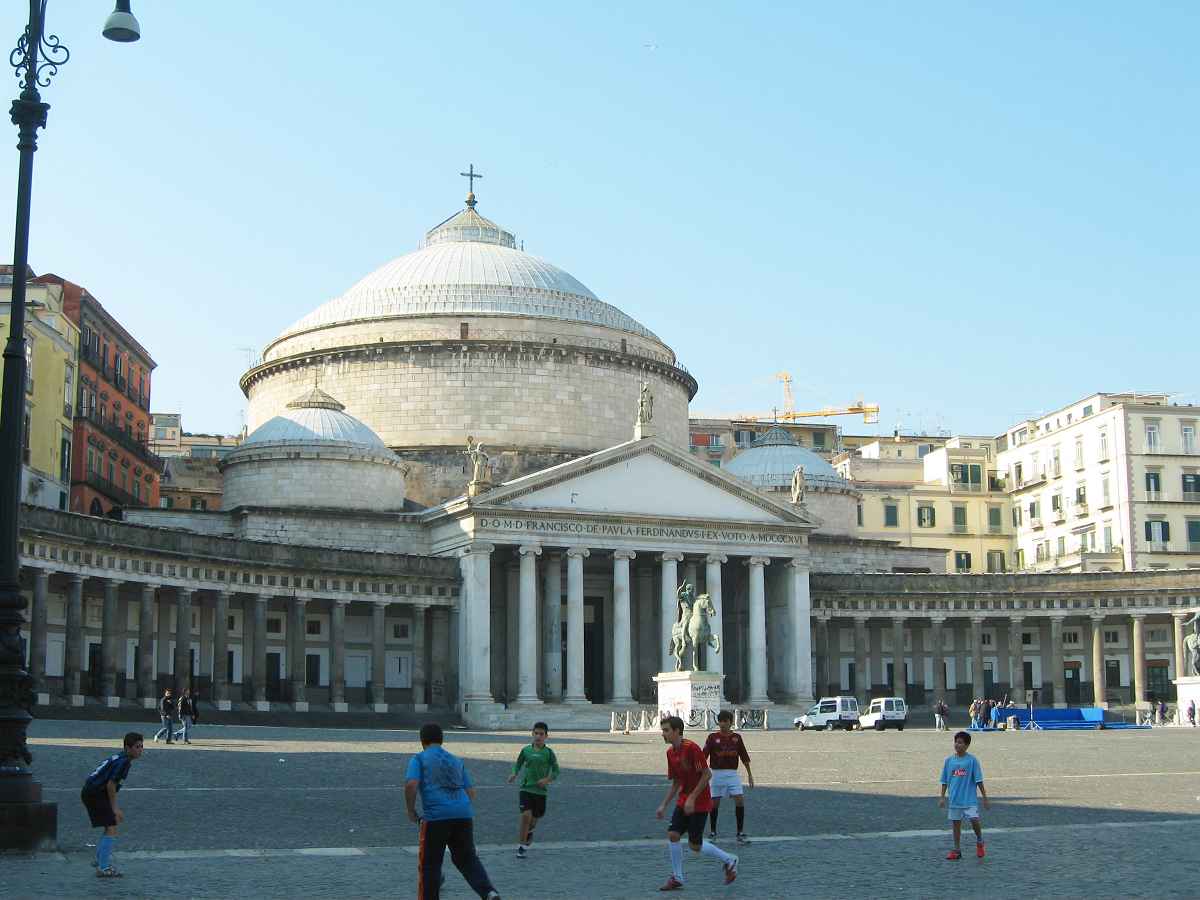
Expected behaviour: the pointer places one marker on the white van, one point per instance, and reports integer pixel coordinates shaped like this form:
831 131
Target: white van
829 713
885 712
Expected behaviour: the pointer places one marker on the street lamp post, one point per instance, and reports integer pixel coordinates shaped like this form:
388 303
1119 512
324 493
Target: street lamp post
26 823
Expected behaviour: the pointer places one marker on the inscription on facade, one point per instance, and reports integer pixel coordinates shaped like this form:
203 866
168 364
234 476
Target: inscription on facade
617 528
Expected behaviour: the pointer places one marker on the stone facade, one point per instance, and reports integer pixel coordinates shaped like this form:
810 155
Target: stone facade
327 474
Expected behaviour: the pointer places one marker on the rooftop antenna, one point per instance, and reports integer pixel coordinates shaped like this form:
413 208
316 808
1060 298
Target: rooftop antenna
249 351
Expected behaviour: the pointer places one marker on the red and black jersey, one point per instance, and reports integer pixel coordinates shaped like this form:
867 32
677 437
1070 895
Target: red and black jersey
685 766
724 750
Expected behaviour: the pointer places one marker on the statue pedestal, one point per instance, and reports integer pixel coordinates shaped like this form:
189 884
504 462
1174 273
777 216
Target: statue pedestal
1187 690
682 693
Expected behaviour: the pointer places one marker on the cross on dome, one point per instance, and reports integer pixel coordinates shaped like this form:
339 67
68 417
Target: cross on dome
470 175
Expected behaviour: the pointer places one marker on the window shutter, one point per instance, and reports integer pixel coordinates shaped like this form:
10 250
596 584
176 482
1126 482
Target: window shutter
1148 531
1166 531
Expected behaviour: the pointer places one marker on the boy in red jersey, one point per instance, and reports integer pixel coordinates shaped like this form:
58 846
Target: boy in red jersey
689 773
724 749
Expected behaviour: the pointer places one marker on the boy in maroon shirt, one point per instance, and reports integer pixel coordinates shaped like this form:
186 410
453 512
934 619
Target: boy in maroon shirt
689 773
724 749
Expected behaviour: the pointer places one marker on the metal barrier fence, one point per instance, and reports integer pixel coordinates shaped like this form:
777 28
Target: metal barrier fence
649 720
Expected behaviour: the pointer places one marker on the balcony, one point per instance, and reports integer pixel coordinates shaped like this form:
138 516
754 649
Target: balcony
1194 546
1154 496
119 381
959 529
128 441
963 487
1055 469
1191 496
1029 480
1081 510
118 495
995 529
1035 521
1158 546
1060 515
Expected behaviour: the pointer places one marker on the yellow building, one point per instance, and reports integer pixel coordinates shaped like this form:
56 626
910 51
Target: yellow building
51 353
950 497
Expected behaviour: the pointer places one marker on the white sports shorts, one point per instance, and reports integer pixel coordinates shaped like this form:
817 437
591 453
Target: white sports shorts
960 813
725 783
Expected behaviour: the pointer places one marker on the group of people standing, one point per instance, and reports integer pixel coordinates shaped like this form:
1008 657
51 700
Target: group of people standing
986 713
183 711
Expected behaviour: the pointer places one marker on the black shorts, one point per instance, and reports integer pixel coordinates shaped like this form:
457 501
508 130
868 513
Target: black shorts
534 803
692 826
100 811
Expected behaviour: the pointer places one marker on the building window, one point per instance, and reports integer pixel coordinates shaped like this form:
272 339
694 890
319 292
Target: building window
962 561
891 515
995 518
1087 541
166 502
1153 485
1108 541
925 517
1071 637
1153 444
1035 509
1016 516
1026 638
1060 547
313 627
859 512
985 639
199 503
230 626
995 561
1079 453
1156 636
1056 502
1018 558
1193 534
400 631
1191 487
1081 495
1087 411
960 518
1187 433
274 625
1111 637
818 440
1158 532
1105 493
1103 444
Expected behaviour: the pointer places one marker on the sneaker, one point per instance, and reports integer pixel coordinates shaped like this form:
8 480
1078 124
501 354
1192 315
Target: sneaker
673 884
712 835
492 895
741 838
731 871
954 854
979 850
110 872
522 852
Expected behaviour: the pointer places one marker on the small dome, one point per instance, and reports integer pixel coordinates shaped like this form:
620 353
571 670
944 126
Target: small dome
771 460
314 417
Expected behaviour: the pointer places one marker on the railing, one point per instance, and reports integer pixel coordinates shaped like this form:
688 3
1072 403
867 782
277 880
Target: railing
67 410
959 529
1190 448
119 381
1194 546
1081 510
1191 496
1035 521
1055 469
995 529
963 487
1158 546
110 490
1060 515
128 441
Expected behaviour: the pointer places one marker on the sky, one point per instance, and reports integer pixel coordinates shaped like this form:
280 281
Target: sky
967 213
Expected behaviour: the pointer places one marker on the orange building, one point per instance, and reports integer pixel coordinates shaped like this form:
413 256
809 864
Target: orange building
112 466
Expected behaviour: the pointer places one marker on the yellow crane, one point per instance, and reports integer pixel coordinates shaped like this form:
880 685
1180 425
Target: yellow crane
869 411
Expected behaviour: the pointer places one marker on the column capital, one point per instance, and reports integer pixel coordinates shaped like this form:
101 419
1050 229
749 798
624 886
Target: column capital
41 574
624 554
149 588
477 547
1016 619
181 592
799 562
578 552
937 621
977 619
342 602
758 561
115 582
526 549
383 603
264 599
718 558
1137 616
1097 616
672 556
75 578
899 619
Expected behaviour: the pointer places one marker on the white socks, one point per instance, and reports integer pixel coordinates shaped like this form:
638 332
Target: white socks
676 859
716 852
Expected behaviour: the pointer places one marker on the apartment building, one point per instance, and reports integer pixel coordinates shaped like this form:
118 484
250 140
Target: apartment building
51 351
950 497
1109 482
167 439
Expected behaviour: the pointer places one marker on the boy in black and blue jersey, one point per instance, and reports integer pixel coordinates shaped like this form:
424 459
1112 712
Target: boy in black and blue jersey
99 796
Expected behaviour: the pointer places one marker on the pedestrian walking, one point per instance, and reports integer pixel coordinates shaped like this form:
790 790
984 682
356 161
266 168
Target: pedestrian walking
99 796
446 819
689 773
1191 713
538 767
188 714
166 713
940 711
962 778
724 749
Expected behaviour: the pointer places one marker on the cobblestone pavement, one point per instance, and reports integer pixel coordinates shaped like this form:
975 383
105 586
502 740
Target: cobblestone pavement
254 811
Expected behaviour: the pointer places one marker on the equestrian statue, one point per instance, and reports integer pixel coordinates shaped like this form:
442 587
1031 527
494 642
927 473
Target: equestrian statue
691 626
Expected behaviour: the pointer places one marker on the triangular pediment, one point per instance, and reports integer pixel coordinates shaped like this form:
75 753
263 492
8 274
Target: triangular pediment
642 478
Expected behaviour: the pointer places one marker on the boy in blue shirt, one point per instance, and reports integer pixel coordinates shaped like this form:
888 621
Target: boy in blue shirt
961 776
99 796
446 818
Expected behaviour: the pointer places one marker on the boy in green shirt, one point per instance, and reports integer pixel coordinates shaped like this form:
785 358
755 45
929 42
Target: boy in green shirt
537 766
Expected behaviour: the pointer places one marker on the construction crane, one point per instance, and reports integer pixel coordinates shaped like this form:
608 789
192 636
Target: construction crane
869 411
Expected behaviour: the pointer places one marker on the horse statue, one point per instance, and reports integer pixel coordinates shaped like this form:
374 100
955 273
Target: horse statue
692 627
1191 644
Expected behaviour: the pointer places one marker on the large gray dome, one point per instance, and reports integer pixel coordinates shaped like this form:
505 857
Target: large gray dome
771 460
468 264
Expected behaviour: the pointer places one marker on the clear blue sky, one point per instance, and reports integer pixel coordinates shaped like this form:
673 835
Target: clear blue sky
966 213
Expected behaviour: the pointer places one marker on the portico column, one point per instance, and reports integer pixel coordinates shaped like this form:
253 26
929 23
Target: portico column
337 655
899 681
669 605
1139 657
713 661
1016 656
183 640
1177 636
379 656
937 636
73 645
475 652
797 655
977 686
260 653
220 645
527 635
439 679
824 652
575 690
418 667
1099 692
622 677
298 659
757 649
145 660
552 687
862 643
1056 662
37 635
